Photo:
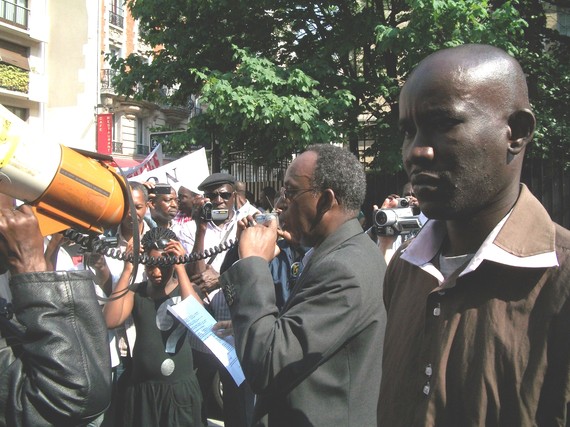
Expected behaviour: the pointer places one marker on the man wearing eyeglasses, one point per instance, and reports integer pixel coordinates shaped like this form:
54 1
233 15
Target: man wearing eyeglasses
219 190
317 361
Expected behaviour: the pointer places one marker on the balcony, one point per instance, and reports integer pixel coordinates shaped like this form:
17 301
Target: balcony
116 18
14 13
107 75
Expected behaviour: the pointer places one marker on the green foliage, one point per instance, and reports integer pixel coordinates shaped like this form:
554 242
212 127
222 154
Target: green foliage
424 27
277 75
545 58
267 111
14 78
178 142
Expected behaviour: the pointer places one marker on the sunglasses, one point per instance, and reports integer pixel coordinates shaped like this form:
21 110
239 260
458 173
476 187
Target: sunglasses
225 195
159 244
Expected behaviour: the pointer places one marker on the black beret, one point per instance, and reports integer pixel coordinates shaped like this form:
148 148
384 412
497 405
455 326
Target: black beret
217 179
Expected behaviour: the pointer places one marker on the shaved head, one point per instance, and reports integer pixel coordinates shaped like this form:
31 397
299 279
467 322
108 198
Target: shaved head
488 67
466 120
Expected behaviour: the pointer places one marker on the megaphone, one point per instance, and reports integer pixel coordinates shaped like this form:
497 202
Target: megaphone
65 188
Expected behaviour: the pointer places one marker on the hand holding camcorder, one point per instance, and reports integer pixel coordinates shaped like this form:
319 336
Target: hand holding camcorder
403 218
208 213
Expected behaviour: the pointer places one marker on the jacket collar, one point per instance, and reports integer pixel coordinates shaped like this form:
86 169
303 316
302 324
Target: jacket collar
508 243
346 231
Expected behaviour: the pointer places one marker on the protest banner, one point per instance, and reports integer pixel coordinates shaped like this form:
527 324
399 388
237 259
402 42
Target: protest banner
188 171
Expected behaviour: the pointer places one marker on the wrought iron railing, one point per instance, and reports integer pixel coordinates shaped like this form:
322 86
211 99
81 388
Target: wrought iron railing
116 18
117 147
107 75
13 13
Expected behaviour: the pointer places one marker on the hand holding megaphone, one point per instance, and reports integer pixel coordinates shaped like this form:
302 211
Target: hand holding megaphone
21 245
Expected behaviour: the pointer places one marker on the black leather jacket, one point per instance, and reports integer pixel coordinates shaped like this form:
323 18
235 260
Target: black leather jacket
58 372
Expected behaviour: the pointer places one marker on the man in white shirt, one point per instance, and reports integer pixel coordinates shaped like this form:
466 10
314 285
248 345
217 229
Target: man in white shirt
183 224
219 190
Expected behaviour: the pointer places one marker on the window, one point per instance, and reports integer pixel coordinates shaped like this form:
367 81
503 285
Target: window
116 13
117 145
108 73
15 12
142 148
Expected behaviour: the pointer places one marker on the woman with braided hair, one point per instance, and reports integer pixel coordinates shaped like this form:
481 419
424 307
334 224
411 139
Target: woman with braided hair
161 388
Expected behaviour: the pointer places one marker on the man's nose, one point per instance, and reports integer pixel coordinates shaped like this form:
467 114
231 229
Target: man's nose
418 150
423 152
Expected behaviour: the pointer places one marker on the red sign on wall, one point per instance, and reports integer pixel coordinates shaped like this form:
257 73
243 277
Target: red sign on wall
104 133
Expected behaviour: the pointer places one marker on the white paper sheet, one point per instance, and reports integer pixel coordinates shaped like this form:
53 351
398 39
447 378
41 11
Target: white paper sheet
196 318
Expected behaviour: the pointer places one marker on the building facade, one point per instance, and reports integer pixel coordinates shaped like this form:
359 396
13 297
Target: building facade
55 75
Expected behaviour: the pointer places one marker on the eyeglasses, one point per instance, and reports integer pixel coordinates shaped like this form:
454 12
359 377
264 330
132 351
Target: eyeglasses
290 193
225 195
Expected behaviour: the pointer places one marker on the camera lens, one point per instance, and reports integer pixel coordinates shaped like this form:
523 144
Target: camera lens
380 218
385 217
206 213
404 203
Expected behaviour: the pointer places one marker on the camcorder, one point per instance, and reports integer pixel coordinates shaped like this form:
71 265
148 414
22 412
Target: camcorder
161 189
404 219
208 213
102 242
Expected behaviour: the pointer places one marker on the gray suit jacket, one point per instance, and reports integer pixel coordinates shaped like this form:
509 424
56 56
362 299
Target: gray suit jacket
318 361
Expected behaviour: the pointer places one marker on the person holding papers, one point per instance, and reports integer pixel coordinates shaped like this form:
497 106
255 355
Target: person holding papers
162 388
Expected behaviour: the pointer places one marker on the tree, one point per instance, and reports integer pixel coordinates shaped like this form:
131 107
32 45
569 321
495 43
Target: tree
545 56
277 75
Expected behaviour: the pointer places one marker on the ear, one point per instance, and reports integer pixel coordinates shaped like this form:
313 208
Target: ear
327 200
521 128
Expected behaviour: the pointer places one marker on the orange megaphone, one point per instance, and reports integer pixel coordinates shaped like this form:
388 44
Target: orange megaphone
65 188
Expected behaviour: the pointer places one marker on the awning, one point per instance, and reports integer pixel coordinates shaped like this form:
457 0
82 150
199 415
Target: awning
13 54
126 163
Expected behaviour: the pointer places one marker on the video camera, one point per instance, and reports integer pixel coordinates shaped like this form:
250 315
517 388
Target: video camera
208 213
161 189
404 219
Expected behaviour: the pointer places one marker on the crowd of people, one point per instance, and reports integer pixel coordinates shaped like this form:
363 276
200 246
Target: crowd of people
463 319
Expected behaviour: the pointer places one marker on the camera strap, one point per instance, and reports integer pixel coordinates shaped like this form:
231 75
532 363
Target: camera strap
224 239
